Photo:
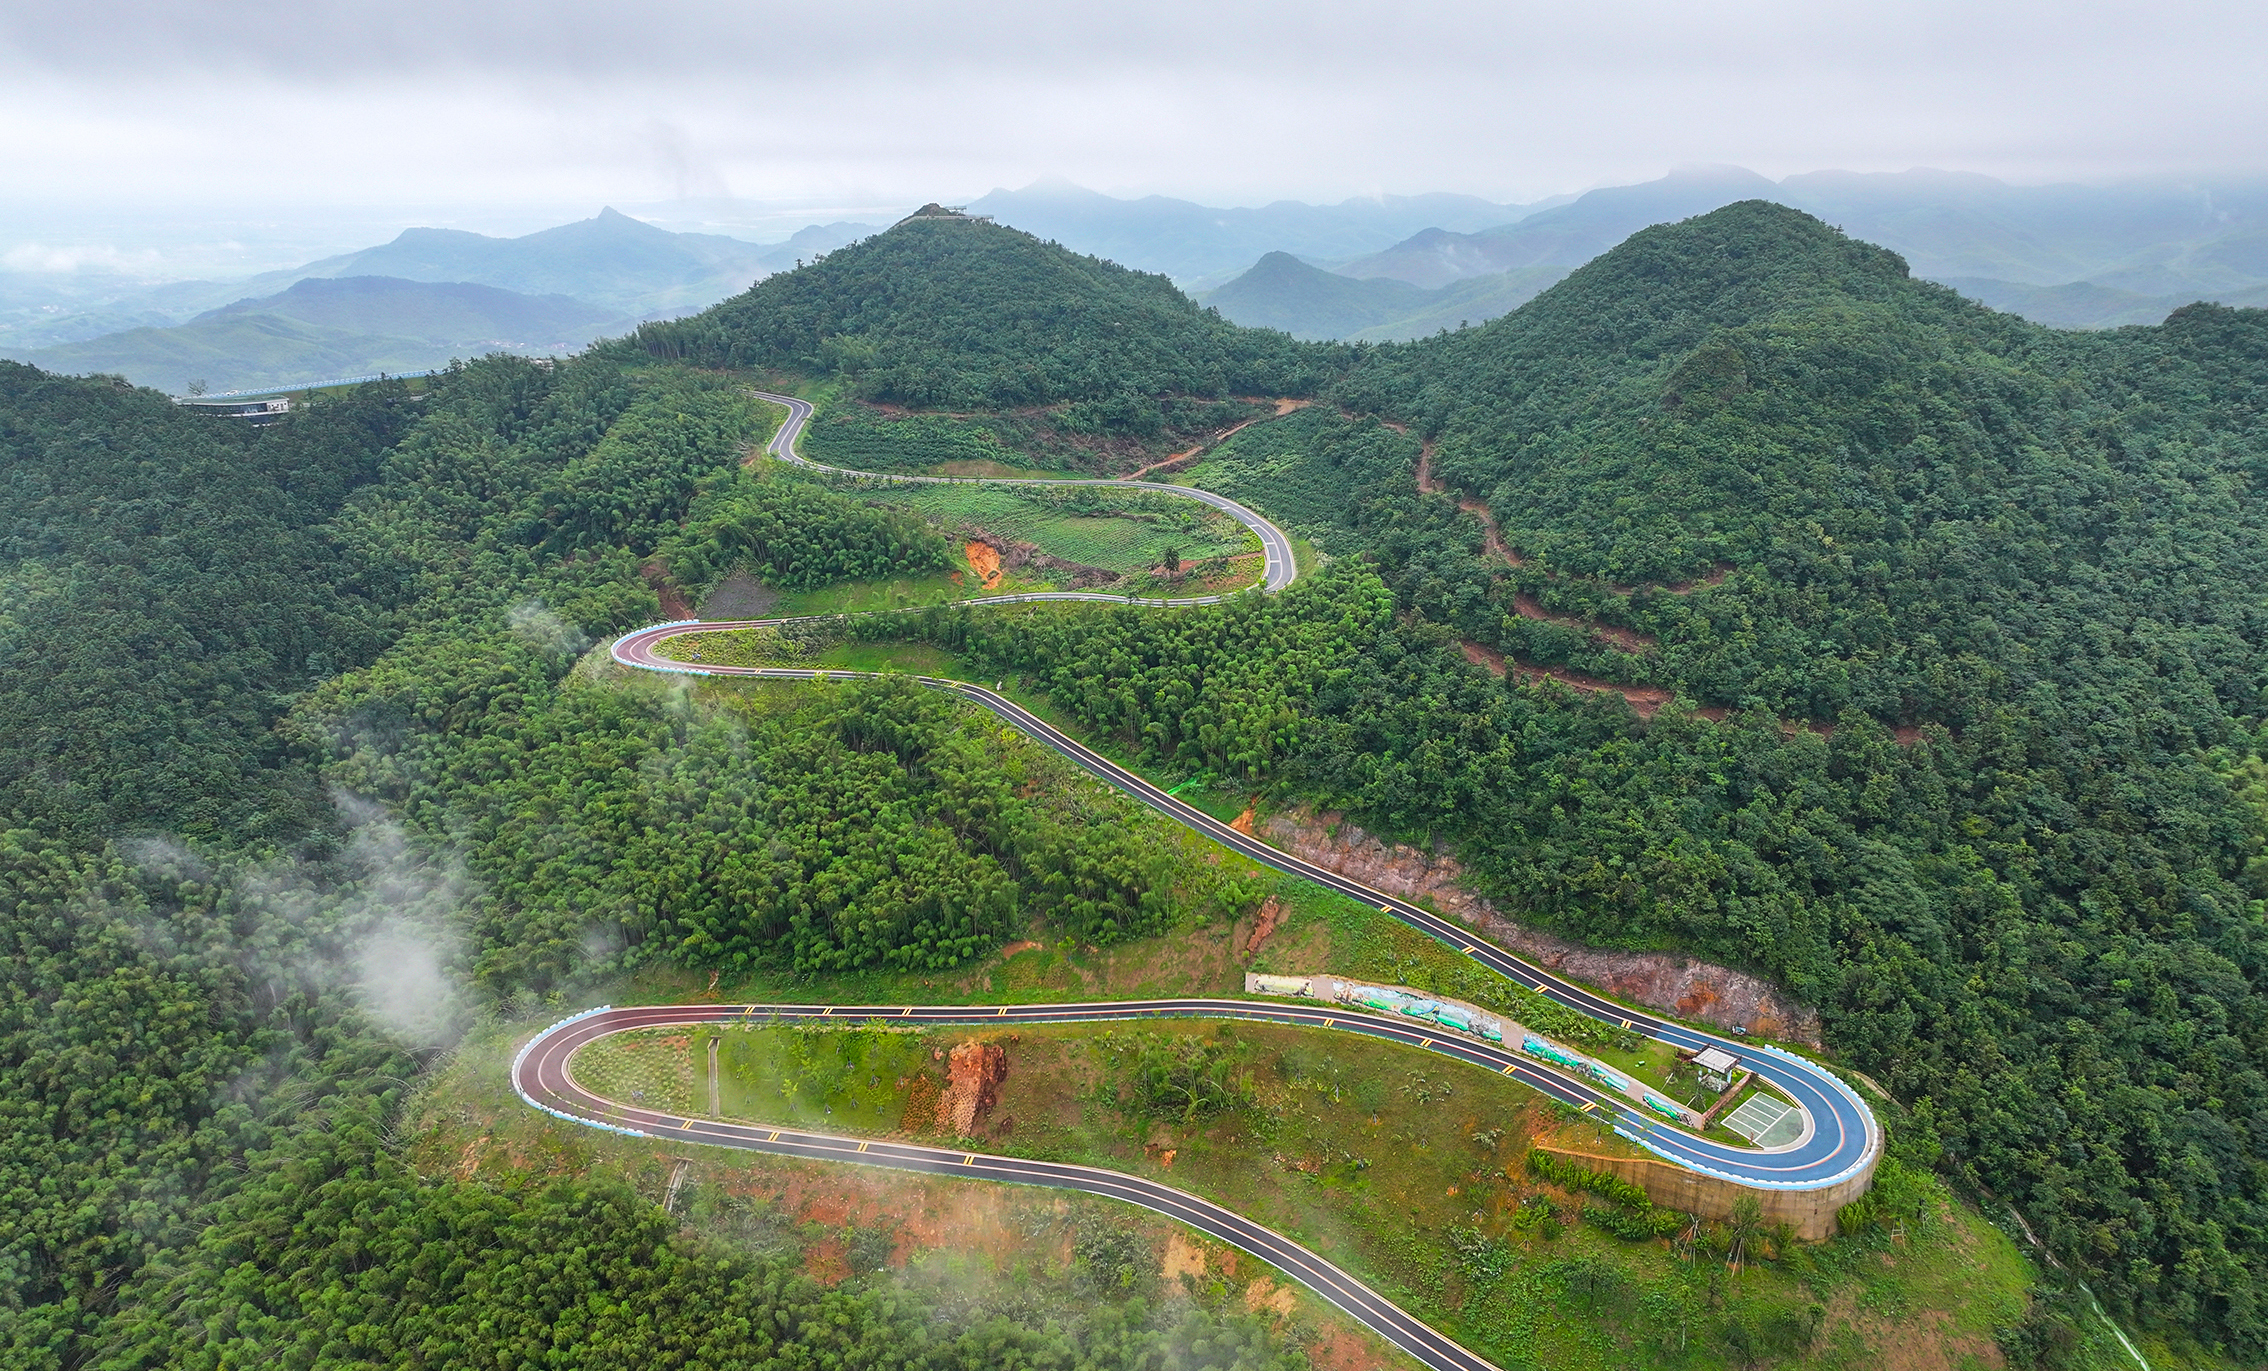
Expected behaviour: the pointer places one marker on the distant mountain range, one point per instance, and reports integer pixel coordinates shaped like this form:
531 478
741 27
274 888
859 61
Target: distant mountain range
1200 246
613 261
413 303
350 326
2070 256
1371 268
1305 301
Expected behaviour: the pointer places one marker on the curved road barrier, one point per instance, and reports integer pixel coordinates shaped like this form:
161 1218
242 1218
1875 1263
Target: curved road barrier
1840 1140
540 1075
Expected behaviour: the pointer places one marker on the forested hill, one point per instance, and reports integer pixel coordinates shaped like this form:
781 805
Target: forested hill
1929 510
1973 615
1799 485
956 313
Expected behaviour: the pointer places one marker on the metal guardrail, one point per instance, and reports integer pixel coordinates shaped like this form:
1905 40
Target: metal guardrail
304 385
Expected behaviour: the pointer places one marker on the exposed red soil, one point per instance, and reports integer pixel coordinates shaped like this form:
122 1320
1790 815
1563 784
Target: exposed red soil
673 602
1242 823
1485 657
1263 923
929 1214
1173 463
1647 700
984 560
1713 994
975 1071
1283 407
920 1113
1013 948
1491 540
1628 639
1002 555
1349 1351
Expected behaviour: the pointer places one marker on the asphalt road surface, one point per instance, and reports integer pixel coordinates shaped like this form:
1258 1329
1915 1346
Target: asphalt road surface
1840 1138
1277 571
540 1075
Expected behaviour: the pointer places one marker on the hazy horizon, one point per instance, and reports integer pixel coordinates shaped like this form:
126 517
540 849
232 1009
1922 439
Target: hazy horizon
224 242
508 116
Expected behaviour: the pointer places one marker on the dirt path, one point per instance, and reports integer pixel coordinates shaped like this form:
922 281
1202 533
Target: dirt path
1283 407
1646 700
1491 539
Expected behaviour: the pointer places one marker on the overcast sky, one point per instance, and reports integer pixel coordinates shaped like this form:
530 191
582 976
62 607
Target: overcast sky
522 108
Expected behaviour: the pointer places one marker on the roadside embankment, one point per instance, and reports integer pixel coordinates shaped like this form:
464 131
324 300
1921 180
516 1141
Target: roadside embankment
1809 1213
1674 984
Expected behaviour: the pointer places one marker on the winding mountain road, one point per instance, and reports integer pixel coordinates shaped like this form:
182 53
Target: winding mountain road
1840 1141
1279 566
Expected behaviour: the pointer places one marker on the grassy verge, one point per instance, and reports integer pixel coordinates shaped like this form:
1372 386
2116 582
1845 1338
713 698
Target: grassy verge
1406 1169
1034 1255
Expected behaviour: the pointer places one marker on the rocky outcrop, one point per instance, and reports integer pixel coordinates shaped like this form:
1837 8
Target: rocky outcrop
1674 984
974 1072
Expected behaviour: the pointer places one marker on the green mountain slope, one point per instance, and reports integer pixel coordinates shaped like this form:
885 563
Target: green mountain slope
946 312
238 352
1282 292
2044 922
1975 607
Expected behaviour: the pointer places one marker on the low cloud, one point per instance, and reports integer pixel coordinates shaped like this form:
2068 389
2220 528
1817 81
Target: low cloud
404 914
533 623
380 921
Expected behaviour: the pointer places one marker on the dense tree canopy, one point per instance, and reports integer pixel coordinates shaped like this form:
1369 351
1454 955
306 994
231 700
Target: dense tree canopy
950 313
161 579
796 534
1973 607
2037 913
194 1065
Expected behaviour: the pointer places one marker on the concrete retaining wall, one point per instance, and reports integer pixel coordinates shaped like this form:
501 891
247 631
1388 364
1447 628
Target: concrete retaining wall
1811 1213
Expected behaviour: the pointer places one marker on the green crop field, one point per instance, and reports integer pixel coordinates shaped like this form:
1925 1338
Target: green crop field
1118 531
